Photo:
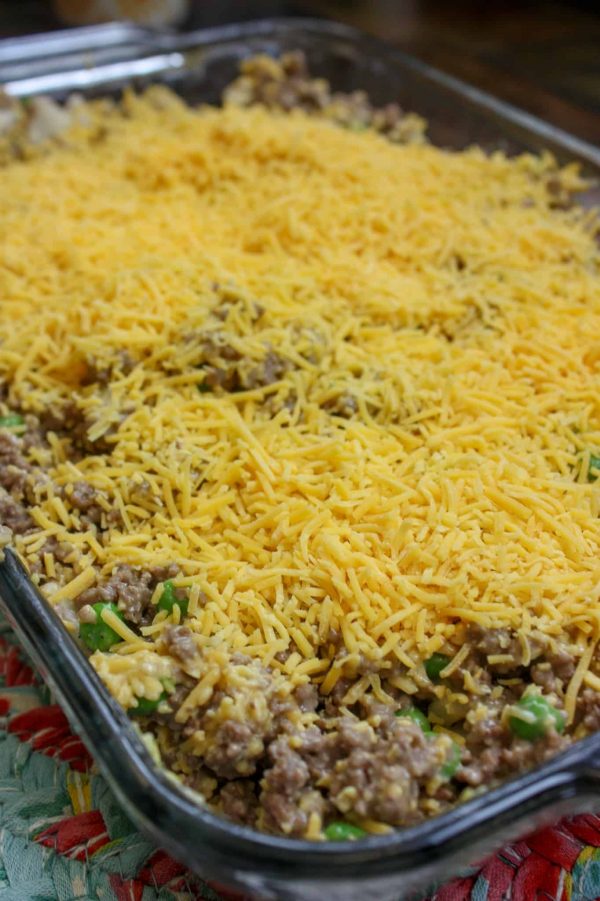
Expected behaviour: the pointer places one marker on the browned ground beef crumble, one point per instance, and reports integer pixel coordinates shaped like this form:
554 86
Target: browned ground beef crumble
359 759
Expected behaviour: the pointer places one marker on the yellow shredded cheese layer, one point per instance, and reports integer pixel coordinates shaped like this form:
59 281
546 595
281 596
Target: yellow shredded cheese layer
437 291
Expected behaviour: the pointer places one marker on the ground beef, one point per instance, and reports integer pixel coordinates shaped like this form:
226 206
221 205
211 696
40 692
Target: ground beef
492 753
497 642
481 769
486 736
553 673
17 474
13 515
14 468
334 700
84 498
381 775
129 588
33 436
560 197
219 360
164 571
543 675
156 719
275 404
523 755
217 378
237 800
62 551
230 301
197 777
286 84
69 421
226 349
244 713
226 369
376 785
271 370
235 748
282 787
345 405
307 697
103 373
589 709
279 84
290 789
64 555
14 480
11 451
179 642
345 766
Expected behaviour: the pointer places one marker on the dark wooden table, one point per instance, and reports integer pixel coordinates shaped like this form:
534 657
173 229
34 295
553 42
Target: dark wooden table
543 56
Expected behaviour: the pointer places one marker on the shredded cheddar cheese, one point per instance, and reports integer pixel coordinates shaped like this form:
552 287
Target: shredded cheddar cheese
68 592
414 466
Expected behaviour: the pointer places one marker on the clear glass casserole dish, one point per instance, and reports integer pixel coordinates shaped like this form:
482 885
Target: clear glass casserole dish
405 863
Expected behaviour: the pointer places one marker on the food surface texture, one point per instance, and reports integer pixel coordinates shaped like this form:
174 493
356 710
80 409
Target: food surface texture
300 436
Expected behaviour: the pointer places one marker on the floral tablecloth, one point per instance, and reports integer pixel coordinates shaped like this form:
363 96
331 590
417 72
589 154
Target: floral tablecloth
63 836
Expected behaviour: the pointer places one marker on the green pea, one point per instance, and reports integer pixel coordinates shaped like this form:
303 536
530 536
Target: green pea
99 636
414 714
343 832
594 464
144 706
448 770
540 717
168 599
11 421
435 664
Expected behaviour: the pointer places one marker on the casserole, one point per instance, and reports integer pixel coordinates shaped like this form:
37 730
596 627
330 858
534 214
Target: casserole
311 42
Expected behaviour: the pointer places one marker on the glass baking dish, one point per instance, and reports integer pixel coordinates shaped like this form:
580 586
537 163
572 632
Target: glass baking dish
407 863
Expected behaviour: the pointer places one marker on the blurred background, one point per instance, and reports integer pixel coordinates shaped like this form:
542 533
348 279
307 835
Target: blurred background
543 56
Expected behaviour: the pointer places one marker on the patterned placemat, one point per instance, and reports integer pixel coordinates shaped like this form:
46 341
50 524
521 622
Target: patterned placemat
63 836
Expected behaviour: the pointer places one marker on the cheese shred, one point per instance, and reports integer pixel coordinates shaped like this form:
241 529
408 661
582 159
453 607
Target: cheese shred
411 341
